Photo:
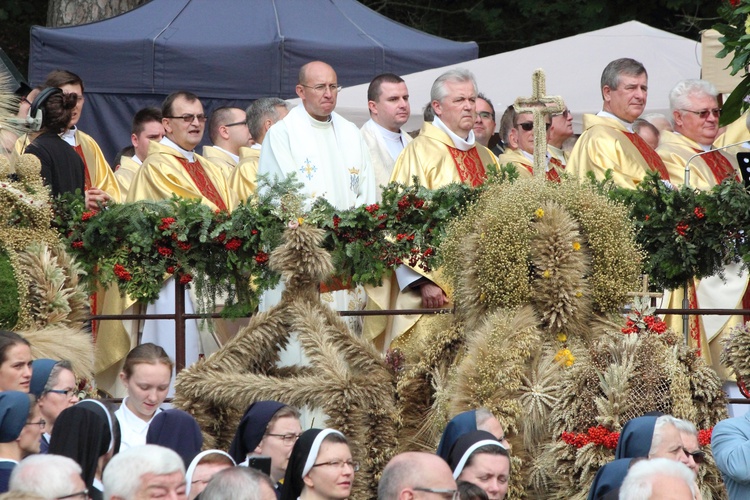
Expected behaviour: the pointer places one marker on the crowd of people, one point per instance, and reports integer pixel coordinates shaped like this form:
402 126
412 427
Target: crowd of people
88 449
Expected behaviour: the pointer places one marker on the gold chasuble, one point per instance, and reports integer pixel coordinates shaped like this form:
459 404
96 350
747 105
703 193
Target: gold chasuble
737 131
706 170
166 171
98 172
606 144
433 158
220 158
125 174
244 178
524 166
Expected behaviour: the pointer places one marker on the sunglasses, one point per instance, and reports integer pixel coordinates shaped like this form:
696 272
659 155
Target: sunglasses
698 456
529 126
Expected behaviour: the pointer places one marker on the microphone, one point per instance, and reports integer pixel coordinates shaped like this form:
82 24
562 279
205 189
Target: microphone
696 155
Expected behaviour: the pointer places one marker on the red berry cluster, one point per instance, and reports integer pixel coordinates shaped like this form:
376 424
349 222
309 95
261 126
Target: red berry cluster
407 237
165 251
166 223
682 228
598 435
221 237
186 278
655 324
184 246
87 215
261 258
699 212
336 221
122 273
372 208
704 436
233 245
77 245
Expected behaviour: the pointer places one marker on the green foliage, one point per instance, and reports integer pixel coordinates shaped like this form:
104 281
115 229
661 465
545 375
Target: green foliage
736 40
9 298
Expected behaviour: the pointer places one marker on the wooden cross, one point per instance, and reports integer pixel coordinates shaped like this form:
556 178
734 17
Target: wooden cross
531 105
644 290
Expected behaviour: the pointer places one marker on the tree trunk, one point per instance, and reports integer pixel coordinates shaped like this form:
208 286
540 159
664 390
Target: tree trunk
74 12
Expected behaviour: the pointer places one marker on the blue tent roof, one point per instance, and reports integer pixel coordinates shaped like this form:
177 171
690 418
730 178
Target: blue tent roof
236 49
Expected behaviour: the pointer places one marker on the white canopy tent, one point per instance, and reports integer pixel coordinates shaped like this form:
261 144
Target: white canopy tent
573 67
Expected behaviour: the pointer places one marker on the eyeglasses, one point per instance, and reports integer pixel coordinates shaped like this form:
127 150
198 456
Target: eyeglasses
83 494
566 113
443 492
287 438
698 456
485 115
340 464
41 423
529 126
235 124
68 393
319 89
703 114
189 118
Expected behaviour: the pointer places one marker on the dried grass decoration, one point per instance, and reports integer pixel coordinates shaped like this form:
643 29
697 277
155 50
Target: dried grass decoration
346 378
43 299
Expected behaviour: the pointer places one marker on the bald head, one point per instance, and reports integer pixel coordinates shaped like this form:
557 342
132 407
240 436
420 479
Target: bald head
411 470
318 89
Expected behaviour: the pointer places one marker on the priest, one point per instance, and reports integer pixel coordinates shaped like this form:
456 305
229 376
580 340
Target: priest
146 127
608 141
228 131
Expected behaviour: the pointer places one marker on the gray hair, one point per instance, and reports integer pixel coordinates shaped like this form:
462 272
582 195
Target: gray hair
482 415
122 476
658 435
685 426
236 483
639 482
679 96
265 108
459 75
618 67
56 471
54 375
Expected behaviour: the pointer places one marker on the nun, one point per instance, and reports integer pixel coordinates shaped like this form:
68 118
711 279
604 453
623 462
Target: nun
320 467
89 433
202 469
479 458
177 430
21 427
54 385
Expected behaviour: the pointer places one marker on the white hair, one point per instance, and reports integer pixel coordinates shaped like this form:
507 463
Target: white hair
658 435
55 470
639 482
122 476
236 483
679 96
685 426
458 75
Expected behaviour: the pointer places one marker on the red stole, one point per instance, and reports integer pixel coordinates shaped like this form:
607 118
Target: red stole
552 174
653 160
719 165
469 165
205 186
86 175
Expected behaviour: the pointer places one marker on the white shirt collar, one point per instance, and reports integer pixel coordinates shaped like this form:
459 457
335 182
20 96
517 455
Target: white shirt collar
136 159
387 134
235 157
462 144
255 145
190 155
69 136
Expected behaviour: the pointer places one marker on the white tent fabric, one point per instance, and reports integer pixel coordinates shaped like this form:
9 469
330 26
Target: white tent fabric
573 67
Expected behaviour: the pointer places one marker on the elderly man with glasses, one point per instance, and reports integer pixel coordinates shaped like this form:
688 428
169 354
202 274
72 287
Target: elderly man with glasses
517 131
414 475
608 141
559 131
695 114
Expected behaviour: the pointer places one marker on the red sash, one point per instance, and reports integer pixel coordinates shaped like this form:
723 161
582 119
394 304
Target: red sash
87 176
469 166
552 174
719 165
205 186
653 160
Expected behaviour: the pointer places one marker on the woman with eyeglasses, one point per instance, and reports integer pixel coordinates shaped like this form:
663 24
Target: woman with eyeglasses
54 385
15 362
146 374
320 467
268 429
21 427
88 433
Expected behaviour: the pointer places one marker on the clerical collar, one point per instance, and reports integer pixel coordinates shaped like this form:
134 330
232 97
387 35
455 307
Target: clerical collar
190 155
462 144
137 160
393 140
255 145
559 153
235 157
607 114
69 136
706 147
